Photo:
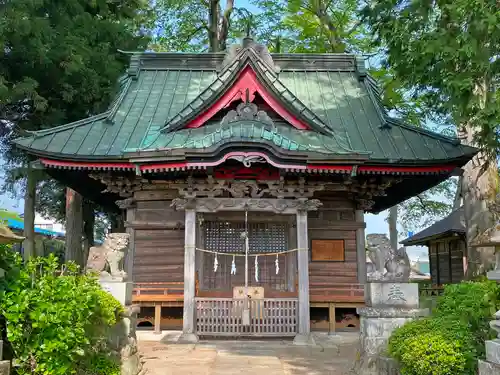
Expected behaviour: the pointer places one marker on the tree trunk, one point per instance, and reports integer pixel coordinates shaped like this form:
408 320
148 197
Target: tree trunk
74 227
88 230
225 25
213 25
29 214
479 187
393 228
457 201
321 11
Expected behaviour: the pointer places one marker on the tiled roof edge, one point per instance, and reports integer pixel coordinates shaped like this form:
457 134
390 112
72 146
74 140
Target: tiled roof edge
124 84
375 94
435 229
213 60
71 125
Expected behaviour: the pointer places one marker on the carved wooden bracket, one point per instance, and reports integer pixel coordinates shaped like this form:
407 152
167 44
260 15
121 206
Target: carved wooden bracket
126 203
281 206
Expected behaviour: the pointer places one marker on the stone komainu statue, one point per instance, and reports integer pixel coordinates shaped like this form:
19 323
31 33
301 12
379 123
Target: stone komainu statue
389 264
108 258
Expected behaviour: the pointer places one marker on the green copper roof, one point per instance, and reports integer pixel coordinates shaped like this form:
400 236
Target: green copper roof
331 92
282 136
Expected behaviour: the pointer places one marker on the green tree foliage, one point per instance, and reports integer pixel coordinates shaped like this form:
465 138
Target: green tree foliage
447 54
60 63
452 339
195 26
428 207
321 26
57 320
312 26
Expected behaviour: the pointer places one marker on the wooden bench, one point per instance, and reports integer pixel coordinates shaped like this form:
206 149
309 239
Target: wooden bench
159 294
150 293
171 294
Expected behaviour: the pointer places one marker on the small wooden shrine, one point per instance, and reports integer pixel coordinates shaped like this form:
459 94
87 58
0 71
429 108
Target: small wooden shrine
244 178
447 248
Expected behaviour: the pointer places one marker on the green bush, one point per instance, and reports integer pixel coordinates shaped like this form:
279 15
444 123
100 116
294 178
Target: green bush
452 339
434 346
474 302
101 364
56 318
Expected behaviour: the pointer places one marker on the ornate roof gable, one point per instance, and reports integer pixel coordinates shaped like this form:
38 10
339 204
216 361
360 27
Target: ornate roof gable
247 70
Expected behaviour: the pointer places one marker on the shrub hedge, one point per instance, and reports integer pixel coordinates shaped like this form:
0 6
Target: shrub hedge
451 340
57 320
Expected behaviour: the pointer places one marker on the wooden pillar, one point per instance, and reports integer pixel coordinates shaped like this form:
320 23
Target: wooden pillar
331 318
129 260
292 259
188 322
200 258
157 319
29 214
304 329
74 227
361 247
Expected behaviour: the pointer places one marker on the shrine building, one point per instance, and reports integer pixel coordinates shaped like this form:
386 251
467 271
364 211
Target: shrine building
244 178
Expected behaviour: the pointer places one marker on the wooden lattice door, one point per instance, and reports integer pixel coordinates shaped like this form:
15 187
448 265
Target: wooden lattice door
226 237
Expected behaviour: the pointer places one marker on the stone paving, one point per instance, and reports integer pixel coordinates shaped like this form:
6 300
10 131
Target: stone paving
333 355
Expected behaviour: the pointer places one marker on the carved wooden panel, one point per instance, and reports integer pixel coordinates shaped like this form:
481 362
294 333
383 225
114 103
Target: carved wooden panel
225 237
328 250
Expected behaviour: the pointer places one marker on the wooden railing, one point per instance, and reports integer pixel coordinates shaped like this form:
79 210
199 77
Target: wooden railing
319 292
268 317
158 292
333 292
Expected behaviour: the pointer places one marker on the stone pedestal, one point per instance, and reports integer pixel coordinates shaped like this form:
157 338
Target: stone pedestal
491 366
123 341
388 306
4 365
121 290
122 337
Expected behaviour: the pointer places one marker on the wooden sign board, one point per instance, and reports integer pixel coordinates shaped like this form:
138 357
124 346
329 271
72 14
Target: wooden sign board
328 250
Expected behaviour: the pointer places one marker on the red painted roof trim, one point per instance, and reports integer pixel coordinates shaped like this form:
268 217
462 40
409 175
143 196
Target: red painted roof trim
202 165
164 166
247 80
410 170
85 165
346 168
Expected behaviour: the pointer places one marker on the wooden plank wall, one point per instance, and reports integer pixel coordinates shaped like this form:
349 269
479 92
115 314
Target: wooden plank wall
334 220
446 260
159 252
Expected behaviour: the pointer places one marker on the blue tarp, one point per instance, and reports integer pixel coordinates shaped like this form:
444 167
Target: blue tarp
19 225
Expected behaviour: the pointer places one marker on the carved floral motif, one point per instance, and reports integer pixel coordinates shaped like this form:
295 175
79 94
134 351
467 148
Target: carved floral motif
249 112
250 204
363 192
